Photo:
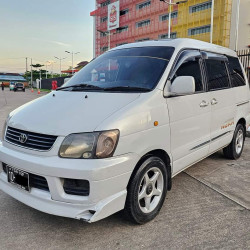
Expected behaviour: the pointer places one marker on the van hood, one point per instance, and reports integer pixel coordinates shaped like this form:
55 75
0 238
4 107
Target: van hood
64 112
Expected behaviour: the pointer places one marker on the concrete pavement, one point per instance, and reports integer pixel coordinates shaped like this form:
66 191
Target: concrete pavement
208 208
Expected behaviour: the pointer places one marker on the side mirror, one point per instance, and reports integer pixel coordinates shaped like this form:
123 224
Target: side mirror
182 85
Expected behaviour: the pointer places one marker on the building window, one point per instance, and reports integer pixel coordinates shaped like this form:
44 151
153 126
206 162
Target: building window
105 3
199 30
143 23
124 12
165 36
104 49
103 34
122 29
104 19
143 39
120 44
143 5
200 7
165 17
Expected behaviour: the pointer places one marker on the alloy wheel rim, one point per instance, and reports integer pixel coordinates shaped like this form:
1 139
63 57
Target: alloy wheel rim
150 190
239 141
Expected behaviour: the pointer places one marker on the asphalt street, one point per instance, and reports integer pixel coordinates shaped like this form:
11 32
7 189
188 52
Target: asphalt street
208 208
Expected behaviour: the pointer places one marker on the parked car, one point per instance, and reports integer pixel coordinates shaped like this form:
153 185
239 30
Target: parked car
19 86
117 132
11 86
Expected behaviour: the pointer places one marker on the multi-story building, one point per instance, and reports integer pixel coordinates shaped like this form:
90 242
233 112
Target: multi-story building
142 20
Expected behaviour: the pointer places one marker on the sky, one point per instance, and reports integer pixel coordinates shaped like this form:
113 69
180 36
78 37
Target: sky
42 29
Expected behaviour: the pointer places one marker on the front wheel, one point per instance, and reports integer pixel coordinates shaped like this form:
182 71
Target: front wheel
146 191
234 150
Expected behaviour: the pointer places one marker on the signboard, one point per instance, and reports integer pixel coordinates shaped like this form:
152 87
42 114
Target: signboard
113 15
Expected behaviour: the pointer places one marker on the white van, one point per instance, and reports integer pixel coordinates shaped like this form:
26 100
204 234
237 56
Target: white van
115 134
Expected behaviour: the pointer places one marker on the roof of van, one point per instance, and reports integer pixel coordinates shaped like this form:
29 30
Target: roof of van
181 43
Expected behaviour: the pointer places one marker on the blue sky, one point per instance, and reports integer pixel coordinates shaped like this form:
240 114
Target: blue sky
44 29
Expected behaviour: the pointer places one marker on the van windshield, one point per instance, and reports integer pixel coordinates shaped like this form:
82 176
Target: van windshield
123 70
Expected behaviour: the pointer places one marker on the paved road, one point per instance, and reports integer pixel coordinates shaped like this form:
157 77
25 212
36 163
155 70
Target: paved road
206 209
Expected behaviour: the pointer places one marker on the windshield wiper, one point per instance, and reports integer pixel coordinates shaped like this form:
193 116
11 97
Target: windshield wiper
82 86
127 88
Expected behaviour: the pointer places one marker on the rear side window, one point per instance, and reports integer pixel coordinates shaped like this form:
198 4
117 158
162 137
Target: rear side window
235 72
191 67
217 75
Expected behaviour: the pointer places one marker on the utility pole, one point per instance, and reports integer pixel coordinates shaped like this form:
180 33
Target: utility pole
26 58
31 73
212 22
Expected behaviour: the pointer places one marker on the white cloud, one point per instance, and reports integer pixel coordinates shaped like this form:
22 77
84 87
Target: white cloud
51 41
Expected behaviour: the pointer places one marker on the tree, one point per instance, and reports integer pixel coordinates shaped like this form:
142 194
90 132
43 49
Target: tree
37 65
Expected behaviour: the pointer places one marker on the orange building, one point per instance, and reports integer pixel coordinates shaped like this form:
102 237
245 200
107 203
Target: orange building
142 20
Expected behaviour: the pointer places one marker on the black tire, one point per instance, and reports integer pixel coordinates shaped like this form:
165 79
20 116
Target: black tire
23 90
230 151
132 209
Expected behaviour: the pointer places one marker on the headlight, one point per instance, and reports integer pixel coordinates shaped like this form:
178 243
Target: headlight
89 145
4 128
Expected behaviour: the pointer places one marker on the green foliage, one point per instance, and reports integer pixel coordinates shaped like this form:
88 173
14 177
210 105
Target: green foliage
37 65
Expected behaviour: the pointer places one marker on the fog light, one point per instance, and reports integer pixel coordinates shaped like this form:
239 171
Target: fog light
76 187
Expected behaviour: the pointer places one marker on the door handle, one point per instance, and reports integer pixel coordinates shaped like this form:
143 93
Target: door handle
214 101
204 104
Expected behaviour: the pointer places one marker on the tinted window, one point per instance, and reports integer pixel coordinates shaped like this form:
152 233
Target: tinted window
130 68
236 73
217 74
191 67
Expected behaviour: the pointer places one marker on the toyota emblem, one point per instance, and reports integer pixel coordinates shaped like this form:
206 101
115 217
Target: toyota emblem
23 138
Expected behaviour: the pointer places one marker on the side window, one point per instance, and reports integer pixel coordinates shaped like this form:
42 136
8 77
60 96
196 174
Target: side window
188 65
217 75
235 72
191 68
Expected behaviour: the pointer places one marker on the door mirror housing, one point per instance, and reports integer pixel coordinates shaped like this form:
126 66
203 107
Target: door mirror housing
182 85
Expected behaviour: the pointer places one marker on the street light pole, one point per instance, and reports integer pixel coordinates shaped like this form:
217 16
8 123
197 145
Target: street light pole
60 59
169 13
72 59
237 25
169 19
212 22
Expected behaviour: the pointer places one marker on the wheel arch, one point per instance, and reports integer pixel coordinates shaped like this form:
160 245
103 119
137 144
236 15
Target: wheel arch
163 155
243 122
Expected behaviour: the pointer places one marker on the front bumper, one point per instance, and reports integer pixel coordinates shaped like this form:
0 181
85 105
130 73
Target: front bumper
108 180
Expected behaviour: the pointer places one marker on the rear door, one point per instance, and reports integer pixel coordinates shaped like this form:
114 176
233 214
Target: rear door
222 100
189 115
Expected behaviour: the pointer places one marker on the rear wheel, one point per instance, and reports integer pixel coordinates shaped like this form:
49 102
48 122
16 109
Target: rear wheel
146 191
234 149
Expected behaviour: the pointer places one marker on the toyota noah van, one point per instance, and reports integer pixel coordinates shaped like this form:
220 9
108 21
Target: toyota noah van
113 136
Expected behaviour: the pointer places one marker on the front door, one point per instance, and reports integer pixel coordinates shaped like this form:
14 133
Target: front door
190 115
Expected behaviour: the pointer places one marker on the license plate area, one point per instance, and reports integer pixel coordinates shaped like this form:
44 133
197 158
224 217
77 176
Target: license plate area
18 178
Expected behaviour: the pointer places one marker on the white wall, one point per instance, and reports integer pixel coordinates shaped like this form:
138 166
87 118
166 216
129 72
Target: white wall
244 25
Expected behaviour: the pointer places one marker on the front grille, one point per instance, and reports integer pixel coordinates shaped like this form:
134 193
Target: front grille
33 140
36 181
